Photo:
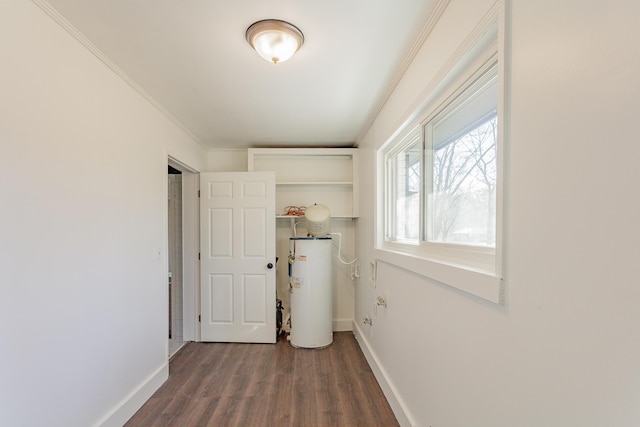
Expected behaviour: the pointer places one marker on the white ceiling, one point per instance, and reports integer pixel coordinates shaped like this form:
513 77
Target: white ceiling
191 58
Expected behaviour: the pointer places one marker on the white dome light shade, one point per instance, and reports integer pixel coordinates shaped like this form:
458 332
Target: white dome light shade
274 40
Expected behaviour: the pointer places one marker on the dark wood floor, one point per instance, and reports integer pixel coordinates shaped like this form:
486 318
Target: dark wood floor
216 384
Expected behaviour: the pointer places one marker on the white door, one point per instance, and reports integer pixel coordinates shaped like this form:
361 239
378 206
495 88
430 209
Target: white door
238 275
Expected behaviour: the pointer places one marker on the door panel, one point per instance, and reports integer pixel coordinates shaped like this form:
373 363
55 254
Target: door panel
254 222
221 298
221 226
255 292
238 242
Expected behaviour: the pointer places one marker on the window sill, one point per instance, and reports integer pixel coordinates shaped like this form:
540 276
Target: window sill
482 284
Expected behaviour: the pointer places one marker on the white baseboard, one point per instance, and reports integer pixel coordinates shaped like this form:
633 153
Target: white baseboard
134 401
341 325
397 405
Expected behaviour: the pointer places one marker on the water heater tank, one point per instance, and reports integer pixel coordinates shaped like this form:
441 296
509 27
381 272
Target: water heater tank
311 292
318 220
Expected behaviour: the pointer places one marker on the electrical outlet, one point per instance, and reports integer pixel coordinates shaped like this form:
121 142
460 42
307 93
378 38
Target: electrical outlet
373 269
373 272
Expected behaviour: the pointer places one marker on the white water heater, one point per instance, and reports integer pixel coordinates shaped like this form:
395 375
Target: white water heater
311 292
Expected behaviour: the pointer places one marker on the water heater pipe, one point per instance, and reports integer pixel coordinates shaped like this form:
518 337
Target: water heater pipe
340 249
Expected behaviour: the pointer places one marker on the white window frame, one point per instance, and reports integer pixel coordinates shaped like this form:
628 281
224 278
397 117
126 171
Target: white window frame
475 270
469 254
390 212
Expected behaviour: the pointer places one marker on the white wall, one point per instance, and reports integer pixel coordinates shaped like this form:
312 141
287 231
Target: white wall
227 160
83 312
564 349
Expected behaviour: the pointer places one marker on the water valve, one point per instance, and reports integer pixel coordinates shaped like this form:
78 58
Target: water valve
381 301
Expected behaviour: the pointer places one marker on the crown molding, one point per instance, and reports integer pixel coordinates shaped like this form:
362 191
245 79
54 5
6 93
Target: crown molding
75 33
404 65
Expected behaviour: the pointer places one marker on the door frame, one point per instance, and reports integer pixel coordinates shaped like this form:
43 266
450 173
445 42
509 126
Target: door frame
190 249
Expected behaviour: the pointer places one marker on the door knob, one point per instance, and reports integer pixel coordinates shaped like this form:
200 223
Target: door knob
269 266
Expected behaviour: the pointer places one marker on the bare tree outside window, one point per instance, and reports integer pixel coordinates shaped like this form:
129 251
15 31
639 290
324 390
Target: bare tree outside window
463 194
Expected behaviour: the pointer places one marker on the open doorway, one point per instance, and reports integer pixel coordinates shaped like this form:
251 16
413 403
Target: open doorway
175 276
183 243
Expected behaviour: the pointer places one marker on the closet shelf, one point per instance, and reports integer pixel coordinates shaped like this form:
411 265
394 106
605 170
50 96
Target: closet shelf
305 176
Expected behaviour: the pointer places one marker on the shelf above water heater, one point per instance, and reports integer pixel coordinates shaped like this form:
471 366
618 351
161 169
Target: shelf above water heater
305 176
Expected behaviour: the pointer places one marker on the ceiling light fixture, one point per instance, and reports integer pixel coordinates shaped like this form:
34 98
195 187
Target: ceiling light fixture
274 40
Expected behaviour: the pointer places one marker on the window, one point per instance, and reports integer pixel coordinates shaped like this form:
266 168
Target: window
404 178
456 153
461 167
440 189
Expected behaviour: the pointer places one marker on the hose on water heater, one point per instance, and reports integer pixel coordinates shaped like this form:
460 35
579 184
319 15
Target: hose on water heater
355 264
340 249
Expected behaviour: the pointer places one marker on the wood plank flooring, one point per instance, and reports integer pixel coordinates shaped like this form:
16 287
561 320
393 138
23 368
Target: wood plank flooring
225 384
